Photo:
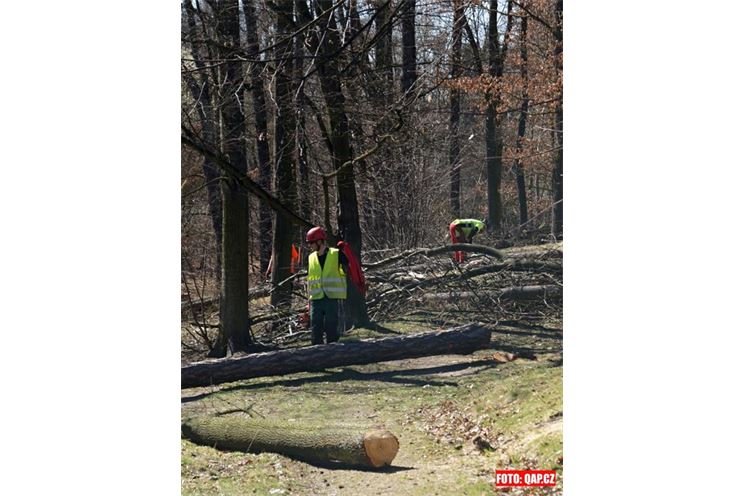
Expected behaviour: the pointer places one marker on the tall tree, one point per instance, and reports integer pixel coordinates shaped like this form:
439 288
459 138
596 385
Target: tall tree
557 176
235 334
408 81
382 90
384 50
456 69
303 165
284 150
255 68
517 166
408 42
200 85
494 139
327 43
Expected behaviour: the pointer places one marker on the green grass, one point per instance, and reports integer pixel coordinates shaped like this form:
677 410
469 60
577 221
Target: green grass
205 471
516 402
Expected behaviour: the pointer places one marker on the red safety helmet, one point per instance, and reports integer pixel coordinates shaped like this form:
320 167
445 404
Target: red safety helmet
315 234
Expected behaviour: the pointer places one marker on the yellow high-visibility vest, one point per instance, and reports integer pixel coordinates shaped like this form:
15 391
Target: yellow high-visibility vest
468 225
329 282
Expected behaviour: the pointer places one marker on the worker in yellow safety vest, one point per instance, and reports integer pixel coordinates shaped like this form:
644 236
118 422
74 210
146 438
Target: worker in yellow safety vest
327 286
463 231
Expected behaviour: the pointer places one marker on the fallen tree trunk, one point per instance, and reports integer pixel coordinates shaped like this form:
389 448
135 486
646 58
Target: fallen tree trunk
486 250
548 291
414 279
460 340
314 444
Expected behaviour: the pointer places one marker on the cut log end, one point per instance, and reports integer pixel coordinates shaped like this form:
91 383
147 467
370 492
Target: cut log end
381 447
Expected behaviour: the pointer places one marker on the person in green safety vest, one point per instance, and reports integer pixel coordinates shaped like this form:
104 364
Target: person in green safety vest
327 286
463 231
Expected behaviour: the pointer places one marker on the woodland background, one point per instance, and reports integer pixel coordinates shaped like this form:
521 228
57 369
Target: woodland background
91 205
380 120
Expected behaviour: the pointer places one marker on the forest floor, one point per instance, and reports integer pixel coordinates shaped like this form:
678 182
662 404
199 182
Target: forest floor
457 418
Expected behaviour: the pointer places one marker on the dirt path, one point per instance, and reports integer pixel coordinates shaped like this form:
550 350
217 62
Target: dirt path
457 419
418 468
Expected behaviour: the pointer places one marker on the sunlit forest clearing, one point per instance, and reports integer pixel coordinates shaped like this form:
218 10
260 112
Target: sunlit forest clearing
384 123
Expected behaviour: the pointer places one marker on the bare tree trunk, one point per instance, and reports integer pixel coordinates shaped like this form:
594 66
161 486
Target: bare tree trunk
384 50
341 146
353 89
406 175
460 340
408 40
381 92
304 185
284 152
262 134
348 215
235 335
202 93
557 176
455 73
494 140
518 168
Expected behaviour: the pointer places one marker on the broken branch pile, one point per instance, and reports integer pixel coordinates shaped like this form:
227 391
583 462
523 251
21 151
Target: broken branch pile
520 274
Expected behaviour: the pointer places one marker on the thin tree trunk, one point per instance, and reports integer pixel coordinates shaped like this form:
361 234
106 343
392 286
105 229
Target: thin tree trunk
518 167
455 73
494 141
404 181
262 134
408 41
493 169
557 176
382 93
284 152
201 91
384 51
304 185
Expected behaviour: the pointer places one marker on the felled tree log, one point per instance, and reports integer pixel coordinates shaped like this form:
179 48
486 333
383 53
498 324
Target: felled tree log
413 279
314 444
486 250
549 291
460 340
